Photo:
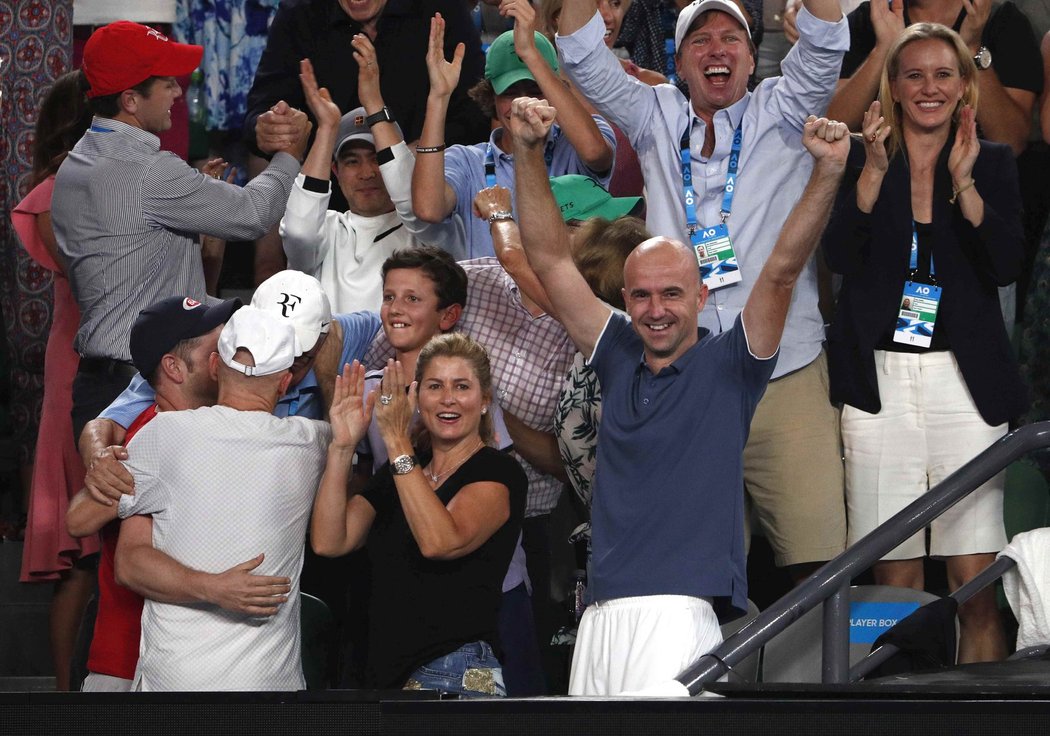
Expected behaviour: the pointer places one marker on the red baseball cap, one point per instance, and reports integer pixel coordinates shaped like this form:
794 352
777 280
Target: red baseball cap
122 54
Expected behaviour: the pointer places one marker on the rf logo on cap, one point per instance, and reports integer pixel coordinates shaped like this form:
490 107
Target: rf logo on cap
288 303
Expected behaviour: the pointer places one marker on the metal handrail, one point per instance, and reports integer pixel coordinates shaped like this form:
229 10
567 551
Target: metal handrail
830 584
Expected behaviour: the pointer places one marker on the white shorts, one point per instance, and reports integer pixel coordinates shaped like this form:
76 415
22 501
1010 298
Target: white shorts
927 429
628 644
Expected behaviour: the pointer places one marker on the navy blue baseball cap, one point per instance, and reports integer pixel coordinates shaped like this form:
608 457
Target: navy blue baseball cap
160 327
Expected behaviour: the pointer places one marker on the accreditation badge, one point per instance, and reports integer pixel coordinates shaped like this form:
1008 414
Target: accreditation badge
918 314
715 256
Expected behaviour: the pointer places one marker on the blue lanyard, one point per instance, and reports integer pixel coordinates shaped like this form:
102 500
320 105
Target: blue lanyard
730 186
490 167
913 263
490 160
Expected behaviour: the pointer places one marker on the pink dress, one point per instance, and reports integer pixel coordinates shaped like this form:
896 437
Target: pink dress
58 472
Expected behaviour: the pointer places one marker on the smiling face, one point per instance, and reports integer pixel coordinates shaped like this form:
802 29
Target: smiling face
152 111
612 12
360 181
410 311
715 60
450 400
928 85
663 296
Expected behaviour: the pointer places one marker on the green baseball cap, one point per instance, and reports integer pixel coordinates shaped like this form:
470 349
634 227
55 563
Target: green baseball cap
582 198
503 67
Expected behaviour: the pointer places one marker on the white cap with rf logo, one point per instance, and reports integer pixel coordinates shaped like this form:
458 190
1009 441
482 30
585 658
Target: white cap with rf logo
298 297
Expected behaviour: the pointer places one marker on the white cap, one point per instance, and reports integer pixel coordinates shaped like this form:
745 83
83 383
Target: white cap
695 8
299 298
270 340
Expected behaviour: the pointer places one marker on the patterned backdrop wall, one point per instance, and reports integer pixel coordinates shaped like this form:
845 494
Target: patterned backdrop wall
36 43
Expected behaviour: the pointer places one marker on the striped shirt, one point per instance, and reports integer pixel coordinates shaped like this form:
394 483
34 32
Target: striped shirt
126 217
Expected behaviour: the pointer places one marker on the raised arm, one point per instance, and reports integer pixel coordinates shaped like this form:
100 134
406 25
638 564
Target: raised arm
386 134
397 160
855 93
432 198
543 234
506 240
829 10
318 162
767 306
154 575
575 121
574 15
305 235
340 524
1005 113
442 532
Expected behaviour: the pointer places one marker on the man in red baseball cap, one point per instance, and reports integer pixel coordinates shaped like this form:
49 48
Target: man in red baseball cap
126 215
125 54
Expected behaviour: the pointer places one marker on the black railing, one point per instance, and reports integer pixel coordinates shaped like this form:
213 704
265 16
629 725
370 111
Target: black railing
830 584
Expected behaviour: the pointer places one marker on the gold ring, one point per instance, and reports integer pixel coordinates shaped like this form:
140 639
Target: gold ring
874 136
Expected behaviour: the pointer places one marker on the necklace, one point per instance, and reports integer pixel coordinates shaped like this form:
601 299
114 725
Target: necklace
434 477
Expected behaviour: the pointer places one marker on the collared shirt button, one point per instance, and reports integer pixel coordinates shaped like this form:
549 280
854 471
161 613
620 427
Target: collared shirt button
645 401
720 307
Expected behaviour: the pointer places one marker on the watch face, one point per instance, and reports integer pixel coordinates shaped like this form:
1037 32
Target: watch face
403 464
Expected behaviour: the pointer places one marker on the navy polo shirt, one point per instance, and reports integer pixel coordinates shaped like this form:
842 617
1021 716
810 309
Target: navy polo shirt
667 516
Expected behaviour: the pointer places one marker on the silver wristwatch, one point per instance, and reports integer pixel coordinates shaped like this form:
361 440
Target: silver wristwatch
983 58
402 465
499 215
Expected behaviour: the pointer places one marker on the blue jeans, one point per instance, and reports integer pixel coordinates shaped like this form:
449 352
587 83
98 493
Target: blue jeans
470 670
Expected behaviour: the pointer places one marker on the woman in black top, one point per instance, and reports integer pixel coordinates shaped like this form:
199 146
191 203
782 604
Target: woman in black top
917 352
440 520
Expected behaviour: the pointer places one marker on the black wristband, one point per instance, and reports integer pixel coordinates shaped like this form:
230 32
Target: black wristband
383 116
313 184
